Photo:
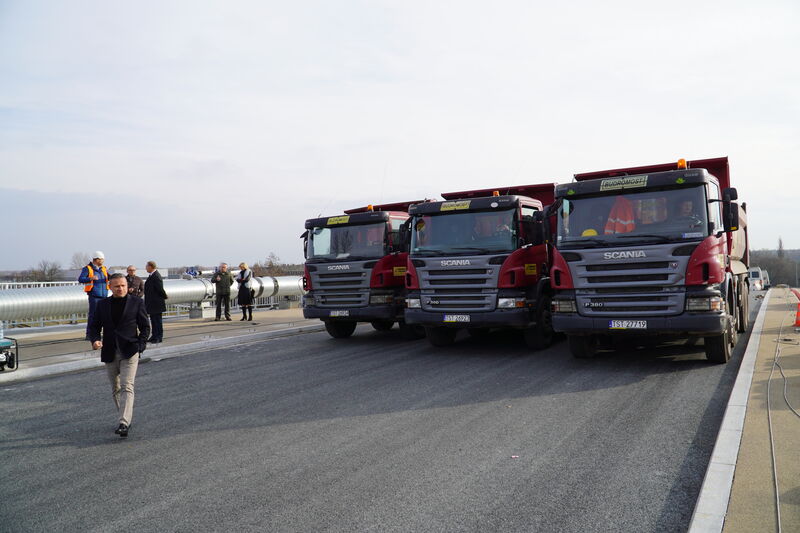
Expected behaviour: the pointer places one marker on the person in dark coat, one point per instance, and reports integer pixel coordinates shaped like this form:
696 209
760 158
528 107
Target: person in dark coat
119 329
135 283
245 297
155 301
222 280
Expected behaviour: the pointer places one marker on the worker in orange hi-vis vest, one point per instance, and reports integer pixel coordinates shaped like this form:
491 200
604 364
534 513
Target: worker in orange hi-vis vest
94 277
620 220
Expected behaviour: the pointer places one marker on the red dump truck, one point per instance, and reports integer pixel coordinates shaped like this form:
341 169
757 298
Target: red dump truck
355 269
656 250
480 260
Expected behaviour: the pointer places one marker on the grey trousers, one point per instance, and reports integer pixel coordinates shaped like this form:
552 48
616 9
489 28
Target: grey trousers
122 373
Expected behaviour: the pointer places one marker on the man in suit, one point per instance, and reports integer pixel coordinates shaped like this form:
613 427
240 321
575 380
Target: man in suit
154 301
124 326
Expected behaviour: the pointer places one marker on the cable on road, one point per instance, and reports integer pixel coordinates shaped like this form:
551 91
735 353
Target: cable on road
775 362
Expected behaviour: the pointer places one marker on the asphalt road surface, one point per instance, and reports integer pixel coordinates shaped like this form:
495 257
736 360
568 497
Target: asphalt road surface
371 433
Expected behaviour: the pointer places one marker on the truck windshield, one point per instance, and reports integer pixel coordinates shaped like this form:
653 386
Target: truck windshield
633 217
366 241
464 233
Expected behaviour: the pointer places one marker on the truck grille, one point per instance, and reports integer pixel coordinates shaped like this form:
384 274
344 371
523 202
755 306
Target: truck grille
459 289
341 289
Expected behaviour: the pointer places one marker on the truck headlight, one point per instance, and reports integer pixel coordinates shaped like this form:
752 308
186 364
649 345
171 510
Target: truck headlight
510 303
380 299
713 303
413 303
564 306
308 301
3 357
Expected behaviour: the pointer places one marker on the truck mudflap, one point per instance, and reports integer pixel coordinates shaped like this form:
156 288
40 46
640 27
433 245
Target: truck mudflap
516 318
701 324
358 314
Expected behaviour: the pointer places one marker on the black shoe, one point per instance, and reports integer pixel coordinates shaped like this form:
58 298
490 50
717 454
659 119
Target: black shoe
242 319
216 319
228 319
122 430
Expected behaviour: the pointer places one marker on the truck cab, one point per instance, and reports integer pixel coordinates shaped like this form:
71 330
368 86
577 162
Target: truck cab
651 251
355 269
479 260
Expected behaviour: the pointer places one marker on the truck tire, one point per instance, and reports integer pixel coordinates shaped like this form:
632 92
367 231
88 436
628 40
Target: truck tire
339 329
411 332
382 325
440 336
718 348
582 346
541 335
744 310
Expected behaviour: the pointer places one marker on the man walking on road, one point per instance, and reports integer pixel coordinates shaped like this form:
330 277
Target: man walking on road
94 277
222 279
154 301
124 326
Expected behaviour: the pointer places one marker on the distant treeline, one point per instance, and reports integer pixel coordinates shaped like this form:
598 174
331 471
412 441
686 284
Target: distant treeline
781 264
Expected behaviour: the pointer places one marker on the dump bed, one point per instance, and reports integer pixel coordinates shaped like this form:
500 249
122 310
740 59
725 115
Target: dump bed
397 206
716 166
544 192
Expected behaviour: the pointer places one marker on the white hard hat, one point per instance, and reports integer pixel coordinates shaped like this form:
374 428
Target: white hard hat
99 255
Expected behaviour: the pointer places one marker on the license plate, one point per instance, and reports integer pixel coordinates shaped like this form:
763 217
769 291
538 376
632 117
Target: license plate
456 318
340 313
627 324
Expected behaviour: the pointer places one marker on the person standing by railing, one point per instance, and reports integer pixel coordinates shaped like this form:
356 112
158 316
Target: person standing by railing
245 297
155 301
135 283
222 280
94 277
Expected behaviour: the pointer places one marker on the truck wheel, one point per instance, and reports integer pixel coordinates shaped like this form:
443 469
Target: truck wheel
718 348
582 346
339 329
382 325
541 335
744 310
439 336
411 332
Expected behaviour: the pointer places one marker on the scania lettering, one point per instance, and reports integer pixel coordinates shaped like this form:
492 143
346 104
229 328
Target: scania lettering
656 251
479 260
355 270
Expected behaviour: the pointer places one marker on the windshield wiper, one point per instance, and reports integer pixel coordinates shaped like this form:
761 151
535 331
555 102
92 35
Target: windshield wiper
661 238
476 249
586 240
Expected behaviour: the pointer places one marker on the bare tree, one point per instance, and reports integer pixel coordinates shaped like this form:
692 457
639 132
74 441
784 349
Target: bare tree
45 271
79 260
271 266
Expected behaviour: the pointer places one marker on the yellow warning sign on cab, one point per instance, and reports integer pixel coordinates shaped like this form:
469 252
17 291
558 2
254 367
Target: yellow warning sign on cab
530 269
453 206
399 271
338 220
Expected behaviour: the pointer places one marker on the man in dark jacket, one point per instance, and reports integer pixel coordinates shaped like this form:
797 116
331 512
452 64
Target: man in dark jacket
154 301
121 323
135 283
222 280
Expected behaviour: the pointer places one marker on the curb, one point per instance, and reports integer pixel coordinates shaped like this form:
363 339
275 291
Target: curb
155 354
712 503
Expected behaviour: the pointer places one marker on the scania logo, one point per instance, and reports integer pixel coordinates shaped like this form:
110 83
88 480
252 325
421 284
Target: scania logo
339 267
455 262
630 254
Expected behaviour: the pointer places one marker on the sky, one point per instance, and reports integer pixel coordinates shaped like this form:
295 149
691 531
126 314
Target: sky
197 132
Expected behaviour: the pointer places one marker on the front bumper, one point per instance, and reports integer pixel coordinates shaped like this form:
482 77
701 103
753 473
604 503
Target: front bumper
359 314
701 324
515 318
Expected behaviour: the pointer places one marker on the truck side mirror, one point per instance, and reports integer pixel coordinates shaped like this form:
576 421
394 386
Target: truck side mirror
405 236
304 236
730 194
730 216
